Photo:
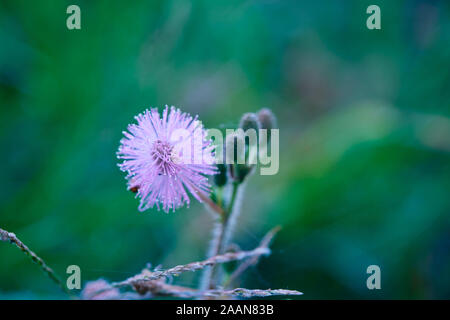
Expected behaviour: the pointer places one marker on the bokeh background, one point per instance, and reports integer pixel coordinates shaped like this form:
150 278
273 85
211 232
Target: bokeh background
364 131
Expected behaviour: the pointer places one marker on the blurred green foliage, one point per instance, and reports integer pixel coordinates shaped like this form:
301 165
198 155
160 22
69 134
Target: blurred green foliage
364 127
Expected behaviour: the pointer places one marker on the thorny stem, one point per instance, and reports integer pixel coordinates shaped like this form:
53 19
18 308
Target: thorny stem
12 238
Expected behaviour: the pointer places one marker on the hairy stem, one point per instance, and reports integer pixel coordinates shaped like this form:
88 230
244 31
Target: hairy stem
12 238
221 237
213 250
233 211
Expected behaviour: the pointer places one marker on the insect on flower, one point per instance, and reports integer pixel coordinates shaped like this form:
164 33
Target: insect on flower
165 157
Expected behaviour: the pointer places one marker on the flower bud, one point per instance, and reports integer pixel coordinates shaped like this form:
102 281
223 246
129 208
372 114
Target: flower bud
236 157
240 171
267 119
268 122
250 121
220 179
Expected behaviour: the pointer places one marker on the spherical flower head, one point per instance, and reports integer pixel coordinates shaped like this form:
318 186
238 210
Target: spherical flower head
167 157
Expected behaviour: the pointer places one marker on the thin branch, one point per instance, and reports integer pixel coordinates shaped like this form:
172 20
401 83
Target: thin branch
249 293
265 242
214 207
12 238
159 288
147 275
153 283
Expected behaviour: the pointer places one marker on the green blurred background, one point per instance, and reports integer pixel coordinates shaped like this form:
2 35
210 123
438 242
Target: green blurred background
364 132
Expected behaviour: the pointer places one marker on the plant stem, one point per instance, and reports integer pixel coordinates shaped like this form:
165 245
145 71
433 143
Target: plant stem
265 242
232 213
220 240
12 238
214 248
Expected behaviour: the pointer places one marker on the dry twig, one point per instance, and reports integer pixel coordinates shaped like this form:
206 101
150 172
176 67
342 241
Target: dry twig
152 283
265 242
147 275
160 288
12 238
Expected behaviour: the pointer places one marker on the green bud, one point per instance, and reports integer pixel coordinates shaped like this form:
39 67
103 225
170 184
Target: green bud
236 160
241 171
220 179
233 143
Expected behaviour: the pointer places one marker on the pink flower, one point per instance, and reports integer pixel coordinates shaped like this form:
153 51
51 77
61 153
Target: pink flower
165 157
